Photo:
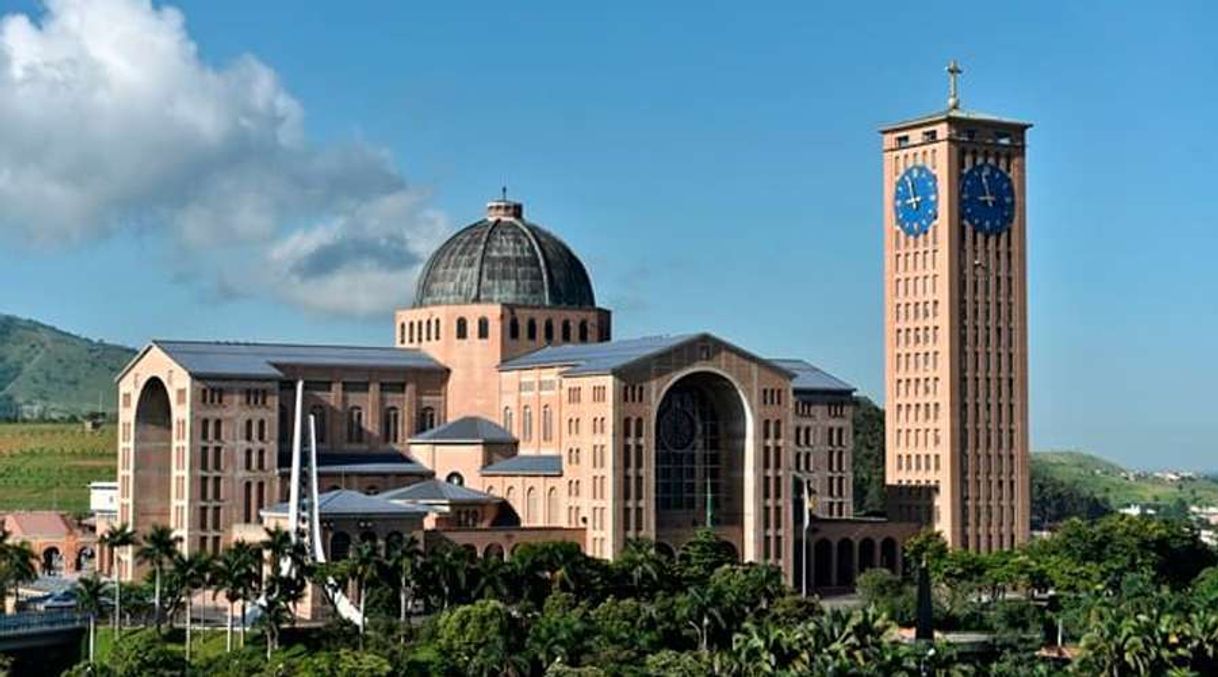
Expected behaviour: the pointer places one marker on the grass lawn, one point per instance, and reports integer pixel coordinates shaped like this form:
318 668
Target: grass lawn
48 466
205 643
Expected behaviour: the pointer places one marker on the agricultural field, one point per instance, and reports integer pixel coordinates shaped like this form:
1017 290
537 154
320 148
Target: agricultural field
48 466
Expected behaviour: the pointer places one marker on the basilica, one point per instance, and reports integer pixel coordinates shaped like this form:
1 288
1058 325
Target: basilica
506 412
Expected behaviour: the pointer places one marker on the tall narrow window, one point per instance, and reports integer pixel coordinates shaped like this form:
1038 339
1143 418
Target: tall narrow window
583 331
532 329
507 419
427 419
391 423
526 423
514 329
355 425
462 329
530 506
262 430
410 333
249 430
547 424
437 323
566 331
484 328
401 332
318 413
427 330
552 506
549 331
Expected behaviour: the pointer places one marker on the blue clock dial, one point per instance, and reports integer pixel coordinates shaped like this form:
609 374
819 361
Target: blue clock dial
987 198
916 200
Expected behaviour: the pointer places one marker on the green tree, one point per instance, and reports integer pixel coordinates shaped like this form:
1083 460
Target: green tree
641 570
190 573
364 562
234 575
402 565
159 546
118 536
18 564
482 639
90 597
869 492
283 585
702 556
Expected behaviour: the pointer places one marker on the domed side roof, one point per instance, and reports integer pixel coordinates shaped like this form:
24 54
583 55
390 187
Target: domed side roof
504 260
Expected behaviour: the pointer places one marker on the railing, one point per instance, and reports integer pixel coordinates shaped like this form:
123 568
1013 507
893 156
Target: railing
27 623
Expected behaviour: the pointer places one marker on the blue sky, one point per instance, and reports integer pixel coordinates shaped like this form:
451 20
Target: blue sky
717 168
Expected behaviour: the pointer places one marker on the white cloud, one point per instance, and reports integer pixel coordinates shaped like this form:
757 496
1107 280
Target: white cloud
109 120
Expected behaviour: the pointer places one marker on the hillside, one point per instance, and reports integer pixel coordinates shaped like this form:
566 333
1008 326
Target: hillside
1118 486
46 373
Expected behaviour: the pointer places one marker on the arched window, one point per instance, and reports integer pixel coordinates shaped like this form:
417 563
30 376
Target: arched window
532 329
526 423
355 425
514 328
510 495
318 413
547 424
583 331
249 430
455 478
507 419
549 331
566 331
530 505
427 419
411 333
484 328
340 546
462 329
552 506
391 423
262 430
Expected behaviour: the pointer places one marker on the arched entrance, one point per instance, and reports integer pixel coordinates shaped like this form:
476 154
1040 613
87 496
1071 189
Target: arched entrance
700 440
845 563
85 558
52 562
888 554
822 567
866 554
152 452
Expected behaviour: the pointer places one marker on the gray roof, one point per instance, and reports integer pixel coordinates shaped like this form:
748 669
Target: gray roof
526 464
435 491
955 114
261 360
504 259
389 462
597 358
466 429
810 378
609 356
346 502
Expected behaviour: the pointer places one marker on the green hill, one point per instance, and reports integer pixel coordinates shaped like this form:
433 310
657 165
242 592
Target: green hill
1118 486
46 373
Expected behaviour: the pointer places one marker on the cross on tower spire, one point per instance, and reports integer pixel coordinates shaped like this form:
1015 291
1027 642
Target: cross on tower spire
953 97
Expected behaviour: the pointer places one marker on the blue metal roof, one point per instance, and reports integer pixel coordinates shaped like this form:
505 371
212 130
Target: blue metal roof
810 378
346 502
597 358
466 429
435 491
261 360
526 464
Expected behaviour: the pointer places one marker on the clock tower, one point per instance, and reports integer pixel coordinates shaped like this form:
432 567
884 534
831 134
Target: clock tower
955 319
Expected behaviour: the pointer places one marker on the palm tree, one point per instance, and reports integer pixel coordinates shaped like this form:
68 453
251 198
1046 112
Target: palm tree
191 573
90 593
235 574
364 562
402 562
158 549
118 536
18 564
284 582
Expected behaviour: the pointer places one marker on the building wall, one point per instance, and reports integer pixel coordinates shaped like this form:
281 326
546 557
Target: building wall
474 359
823 441
956 342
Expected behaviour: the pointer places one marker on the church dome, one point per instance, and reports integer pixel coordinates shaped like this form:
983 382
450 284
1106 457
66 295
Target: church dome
504 259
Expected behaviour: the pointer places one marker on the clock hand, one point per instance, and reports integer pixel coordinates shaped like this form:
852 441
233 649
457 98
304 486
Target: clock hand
988 198
913 194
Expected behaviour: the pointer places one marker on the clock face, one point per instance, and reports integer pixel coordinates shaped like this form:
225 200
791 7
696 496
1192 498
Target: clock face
916 200
987 198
